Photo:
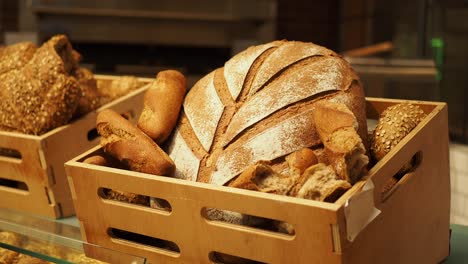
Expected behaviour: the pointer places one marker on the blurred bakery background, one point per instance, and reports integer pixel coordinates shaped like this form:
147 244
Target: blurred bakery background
401 49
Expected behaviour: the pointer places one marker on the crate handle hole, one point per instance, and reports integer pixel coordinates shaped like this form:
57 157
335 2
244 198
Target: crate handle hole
17 185
128 115
10 153
92 134
406 171
218 257
249 221
139 240
136 199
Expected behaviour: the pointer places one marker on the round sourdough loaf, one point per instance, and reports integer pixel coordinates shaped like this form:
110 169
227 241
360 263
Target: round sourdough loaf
259 107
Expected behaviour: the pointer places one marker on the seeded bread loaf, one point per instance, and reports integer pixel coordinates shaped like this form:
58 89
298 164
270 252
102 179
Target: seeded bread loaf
38 92
259 107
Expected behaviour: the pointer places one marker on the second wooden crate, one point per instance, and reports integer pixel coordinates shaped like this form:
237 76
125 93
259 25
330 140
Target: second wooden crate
35 164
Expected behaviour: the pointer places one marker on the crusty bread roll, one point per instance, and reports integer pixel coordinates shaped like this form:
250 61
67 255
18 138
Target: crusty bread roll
300 160
125 142
259 107
162 104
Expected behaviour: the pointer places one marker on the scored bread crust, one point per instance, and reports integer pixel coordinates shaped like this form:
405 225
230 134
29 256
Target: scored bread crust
258 107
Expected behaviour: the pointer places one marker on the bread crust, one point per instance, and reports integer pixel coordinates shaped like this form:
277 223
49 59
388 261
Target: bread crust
124 141
259 107
162 103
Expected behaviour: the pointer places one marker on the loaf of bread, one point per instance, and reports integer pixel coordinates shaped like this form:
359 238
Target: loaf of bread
162 104
259 107
125 142
15 56
38 92
90 97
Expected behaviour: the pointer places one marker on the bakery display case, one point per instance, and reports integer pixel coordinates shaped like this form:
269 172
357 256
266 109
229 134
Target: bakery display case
50 240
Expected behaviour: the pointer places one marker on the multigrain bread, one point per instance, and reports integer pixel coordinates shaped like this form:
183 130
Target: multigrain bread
394 124
14 57
162 104
125 142
259 107
38 93
90 97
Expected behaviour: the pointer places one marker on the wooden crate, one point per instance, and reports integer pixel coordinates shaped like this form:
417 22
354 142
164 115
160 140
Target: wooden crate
41 164
411 223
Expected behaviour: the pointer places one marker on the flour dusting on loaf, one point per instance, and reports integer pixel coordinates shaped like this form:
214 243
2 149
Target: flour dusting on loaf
187 162
295 86
287 54
274 87
196 110
236 69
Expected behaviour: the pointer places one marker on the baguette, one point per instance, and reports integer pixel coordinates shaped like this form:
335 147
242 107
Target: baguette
162 104
125 142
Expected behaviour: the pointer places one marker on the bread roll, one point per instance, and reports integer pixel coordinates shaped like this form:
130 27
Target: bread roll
125 142
394 124
162 104
300 160
259 107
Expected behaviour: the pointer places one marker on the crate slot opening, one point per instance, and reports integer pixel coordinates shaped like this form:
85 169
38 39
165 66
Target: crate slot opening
135 199
139 239
248 221
92 134
18 185
10 153
222 258
406 171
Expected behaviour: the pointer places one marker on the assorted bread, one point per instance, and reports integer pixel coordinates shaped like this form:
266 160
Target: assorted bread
43 87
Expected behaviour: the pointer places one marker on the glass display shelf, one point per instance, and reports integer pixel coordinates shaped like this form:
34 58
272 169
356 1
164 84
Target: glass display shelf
51 241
